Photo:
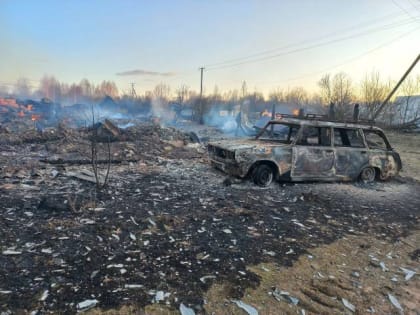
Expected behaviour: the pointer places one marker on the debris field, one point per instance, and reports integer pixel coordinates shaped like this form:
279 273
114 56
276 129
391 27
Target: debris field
167 227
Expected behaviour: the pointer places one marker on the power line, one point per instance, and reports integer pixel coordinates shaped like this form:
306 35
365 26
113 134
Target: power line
352 28
414 6
387 43
404 10
325 43
353 58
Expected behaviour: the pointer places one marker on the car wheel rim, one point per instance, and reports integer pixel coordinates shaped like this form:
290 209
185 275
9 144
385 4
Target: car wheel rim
266 177
368 174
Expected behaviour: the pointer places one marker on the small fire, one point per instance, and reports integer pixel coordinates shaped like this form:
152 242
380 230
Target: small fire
265 113
21 114
9 102
35 117
295 112
29 108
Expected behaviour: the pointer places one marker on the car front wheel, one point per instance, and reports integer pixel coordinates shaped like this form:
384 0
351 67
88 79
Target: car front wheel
263 175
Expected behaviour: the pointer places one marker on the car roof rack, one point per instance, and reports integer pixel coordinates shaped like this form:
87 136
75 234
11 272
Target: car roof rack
326 118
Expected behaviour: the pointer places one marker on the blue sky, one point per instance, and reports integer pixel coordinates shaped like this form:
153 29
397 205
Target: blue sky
167 41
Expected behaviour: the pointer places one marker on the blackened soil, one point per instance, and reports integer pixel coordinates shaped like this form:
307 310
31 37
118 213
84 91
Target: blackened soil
168 229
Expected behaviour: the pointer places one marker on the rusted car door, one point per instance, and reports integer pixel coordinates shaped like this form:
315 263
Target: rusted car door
351 154
313 155
381 154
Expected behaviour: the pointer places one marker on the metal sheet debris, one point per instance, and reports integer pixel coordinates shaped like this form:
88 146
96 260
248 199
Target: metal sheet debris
281 295
246 307
87 304
185 310
408 273
349 305
395 302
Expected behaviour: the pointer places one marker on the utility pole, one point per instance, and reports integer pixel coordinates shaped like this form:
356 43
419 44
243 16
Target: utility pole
378 111
133 91
201 82
200 114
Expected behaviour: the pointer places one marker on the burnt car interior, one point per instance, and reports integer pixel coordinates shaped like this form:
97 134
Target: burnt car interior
315 136
281 132
376 140
351 138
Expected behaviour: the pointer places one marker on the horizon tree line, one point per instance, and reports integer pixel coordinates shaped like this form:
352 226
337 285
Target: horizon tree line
338 89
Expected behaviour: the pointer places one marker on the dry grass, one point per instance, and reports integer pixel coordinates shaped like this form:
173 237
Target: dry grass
408 145
321 281
154 309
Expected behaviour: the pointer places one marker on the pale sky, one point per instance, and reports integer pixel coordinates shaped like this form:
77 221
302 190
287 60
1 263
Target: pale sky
268 43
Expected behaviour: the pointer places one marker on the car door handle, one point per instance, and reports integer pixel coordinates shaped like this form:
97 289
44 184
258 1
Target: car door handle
363 152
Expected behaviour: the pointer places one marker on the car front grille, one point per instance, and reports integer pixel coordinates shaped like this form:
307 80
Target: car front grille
221 153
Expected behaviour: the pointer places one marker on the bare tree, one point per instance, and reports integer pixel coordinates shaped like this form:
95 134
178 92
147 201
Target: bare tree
101 181
297 96
231 96
409 87
50 88
107 88
373 92
22 88
325 86
160 100
276 96
244 90
182 93
216 93
343 94
74 93
162 91
339 91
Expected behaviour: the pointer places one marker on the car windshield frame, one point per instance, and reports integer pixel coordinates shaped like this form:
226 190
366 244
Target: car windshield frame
270 131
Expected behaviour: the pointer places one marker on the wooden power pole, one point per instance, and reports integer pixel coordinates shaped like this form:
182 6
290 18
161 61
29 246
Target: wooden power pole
200 115
396 87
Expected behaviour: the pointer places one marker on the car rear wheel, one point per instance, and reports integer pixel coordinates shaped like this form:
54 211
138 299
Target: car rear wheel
263 175
368 175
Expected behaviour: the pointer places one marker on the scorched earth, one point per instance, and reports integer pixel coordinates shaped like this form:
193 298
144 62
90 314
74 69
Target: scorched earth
169 234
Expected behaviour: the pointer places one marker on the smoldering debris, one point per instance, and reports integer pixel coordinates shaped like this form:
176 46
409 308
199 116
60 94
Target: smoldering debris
165 228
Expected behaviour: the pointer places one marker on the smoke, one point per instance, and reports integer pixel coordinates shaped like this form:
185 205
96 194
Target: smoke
146 73
160 109
225 120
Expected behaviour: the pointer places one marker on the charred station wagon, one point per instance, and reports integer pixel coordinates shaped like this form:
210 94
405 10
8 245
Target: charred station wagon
299 149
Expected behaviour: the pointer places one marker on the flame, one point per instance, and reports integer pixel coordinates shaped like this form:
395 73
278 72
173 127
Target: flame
265 113
35 117
295 112
21 114
30 107
9 102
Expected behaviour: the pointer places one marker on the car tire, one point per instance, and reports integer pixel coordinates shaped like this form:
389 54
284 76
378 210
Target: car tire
368 175
263 175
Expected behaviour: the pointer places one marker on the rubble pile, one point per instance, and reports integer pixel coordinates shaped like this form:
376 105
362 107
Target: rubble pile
167 227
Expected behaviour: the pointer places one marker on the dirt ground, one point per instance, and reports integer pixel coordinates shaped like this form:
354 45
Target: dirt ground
169 230
408 145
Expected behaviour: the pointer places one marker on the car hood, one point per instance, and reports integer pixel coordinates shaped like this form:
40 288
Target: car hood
245 144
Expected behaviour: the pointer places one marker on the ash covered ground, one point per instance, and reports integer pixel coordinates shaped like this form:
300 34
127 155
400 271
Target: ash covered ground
167 227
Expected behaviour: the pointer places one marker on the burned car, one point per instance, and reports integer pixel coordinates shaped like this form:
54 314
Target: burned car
302 149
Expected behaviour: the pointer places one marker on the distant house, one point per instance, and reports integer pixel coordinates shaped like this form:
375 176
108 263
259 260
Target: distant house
409 107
